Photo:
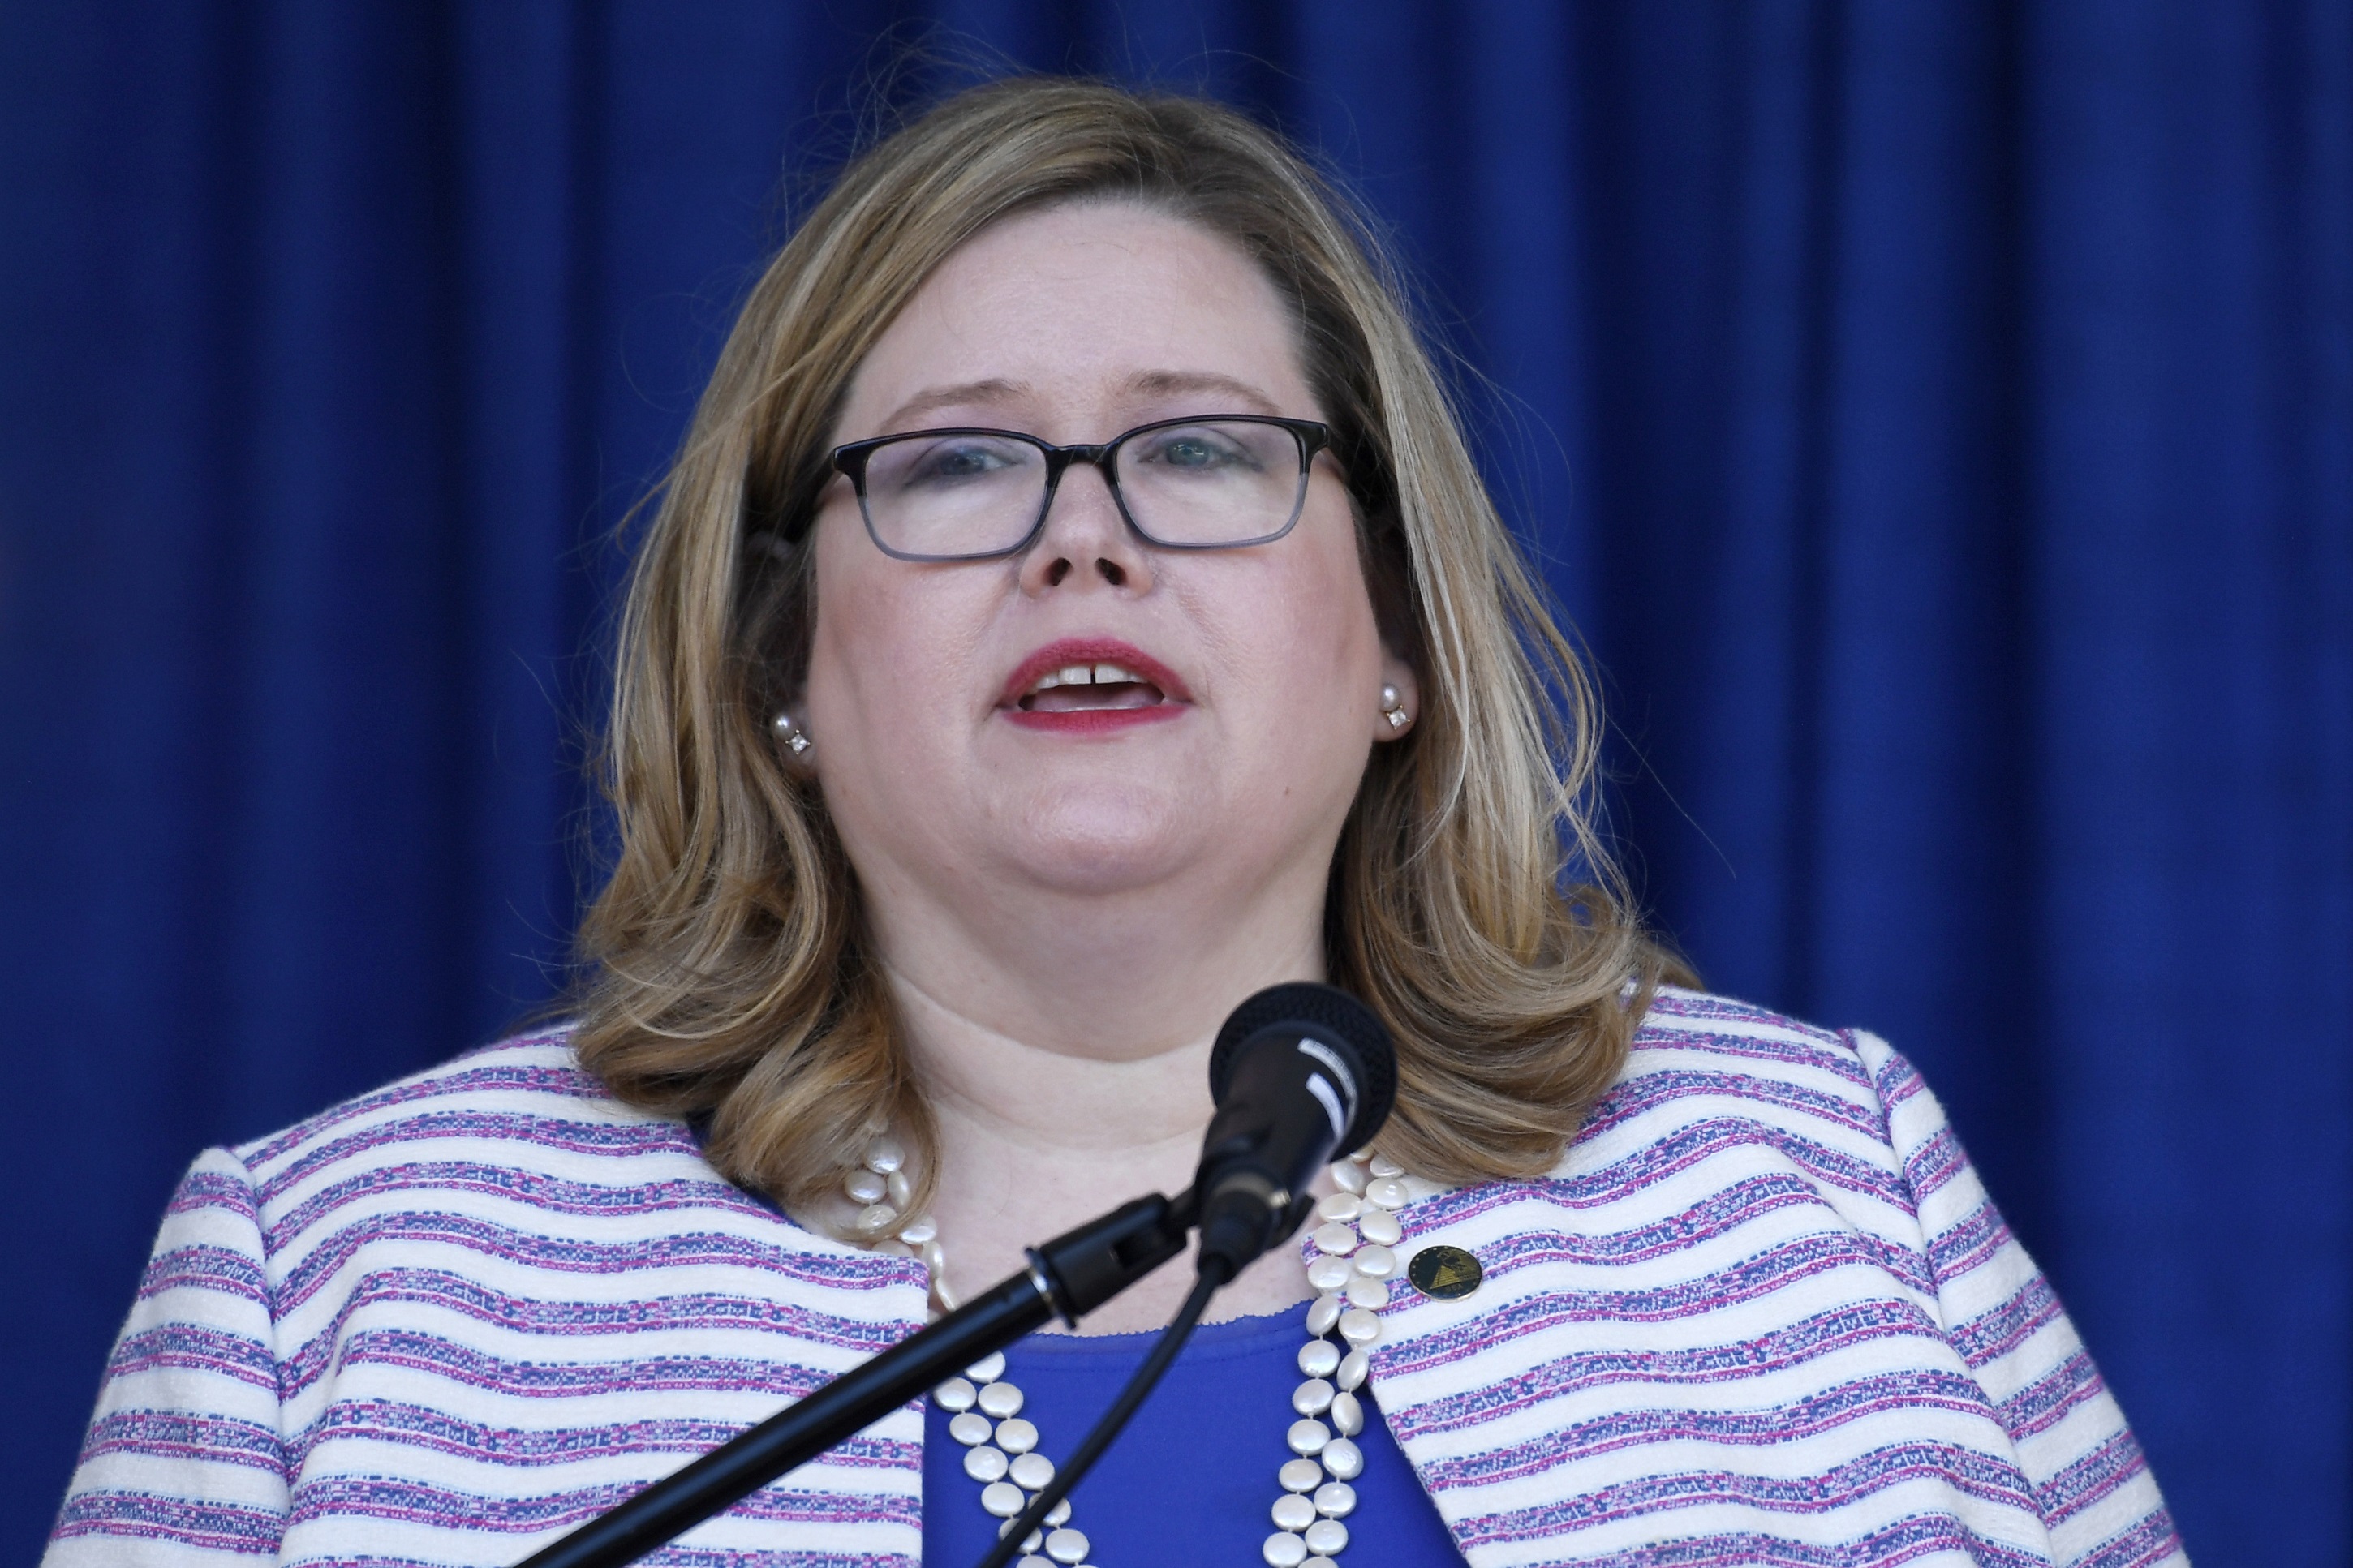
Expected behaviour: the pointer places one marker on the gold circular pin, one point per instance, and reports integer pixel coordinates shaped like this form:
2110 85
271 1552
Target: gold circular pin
1444 1273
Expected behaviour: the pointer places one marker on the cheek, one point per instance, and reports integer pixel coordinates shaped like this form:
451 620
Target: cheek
1338 622
883 641
1311 633
851 622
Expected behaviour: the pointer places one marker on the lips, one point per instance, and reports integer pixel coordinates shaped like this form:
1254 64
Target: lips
1089 685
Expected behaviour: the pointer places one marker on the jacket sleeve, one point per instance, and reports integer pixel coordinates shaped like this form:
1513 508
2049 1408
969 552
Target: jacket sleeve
185 1463
2098 1501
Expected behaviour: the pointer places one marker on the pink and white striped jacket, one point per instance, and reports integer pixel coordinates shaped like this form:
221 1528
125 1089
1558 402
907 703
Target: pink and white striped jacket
1763 1312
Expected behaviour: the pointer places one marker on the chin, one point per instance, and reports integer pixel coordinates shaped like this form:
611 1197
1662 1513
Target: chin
1104 847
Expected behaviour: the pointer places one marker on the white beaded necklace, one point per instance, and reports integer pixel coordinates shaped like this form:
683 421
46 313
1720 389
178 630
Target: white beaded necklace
1353 1238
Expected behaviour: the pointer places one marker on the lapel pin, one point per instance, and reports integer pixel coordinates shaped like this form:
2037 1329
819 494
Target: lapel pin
1444 1273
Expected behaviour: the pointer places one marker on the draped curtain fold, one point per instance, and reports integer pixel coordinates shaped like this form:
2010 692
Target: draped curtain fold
1937 420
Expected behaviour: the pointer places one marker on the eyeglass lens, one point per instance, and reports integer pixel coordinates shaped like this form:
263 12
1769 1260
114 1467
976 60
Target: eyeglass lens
1208 484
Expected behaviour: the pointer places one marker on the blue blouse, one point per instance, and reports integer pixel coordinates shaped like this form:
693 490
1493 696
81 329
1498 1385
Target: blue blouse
1191 1482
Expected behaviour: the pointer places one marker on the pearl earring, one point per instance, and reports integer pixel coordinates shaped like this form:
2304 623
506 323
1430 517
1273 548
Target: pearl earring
1393 708
789 736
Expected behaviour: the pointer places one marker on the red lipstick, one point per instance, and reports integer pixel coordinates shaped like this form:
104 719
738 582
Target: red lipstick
1164 695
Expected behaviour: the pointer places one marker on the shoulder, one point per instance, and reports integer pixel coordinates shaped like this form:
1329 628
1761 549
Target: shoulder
496 1186
1712 1085
521 1100
516 1156
1731 1054
536 1070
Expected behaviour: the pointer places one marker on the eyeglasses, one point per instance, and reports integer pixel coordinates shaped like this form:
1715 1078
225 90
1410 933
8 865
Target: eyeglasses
1215 483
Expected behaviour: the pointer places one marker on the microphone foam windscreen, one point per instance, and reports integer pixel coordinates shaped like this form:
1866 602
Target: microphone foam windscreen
1326 1013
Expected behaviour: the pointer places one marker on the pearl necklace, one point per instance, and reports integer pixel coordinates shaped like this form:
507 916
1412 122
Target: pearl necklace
1356 1232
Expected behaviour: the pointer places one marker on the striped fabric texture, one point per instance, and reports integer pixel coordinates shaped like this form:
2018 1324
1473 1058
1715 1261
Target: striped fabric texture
1763 1313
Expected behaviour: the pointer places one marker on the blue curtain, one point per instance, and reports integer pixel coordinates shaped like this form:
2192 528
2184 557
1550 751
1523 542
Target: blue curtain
1937 419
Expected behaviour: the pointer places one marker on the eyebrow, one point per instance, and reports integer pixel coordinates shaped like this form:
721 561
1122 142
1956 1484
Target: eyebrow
1148 384
1160 382
923 402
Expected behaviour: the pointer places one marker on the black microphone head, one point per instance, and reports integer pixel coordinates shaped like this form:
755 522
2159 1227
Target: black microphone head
1301 1075
1359 1042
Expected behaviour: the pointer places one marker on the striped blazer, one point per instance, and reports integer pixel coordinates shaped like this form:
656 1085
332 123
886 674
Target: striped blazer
1762 1313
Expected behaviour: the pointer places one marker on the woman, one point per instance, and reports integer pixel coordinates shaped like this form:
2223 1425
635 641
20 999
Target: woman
1075 609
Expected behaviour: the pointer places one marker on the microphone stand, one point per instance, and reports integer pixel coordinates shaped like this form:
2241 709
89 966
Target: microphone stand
1073 1275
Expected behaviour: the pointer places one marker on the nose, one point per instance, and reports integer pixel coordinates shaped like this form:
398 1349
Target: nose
1084 539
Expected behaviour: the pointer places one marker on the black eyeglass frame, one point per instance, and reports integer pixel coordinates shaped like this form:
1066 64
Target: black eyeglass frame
1311 436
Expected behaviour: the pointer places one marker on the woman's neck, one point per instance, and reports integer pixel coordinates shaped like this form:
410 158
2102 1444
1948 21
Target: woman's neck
1074 1085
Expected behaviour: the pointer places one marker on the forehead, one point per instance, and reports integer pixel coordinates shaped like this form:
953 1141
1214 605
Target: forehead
1080 313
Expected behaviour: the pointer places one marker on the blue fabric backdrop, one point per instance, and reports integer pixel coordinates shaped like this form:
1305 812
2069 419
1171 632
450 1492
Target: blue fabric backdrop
1939 418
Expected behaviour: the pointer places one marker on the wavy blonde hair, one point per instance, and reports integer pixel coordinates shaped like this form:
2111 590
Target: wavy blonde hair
1471 903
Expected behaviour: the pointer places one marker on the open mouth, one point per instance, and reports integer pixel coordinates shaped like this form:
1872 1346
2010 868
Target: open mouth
1089 687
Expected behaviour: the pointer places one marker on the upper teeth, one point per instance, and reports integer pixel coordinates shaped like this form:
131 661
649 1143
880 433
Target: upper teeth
1086 675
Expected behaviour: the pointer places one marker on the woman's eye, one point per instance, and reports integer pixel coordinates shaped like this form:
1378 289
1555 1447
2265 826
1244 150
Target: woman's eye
949 464
957 462
1196 450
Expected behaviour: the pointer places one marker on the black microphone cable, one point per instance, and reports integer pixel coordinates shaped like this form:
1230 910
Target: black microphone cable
1140 1385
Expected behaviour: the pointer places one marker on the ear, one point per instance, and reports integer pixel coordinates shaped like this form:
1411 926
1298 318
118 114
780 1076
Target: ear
1396 675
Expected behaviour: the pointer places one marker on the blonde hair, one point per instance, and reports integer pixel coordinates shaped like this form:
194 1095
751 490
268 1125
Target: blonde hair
1471 903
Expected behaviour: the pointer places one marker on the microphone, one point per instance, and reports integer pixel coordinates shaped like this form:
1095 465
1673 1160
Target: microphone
1302 1075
